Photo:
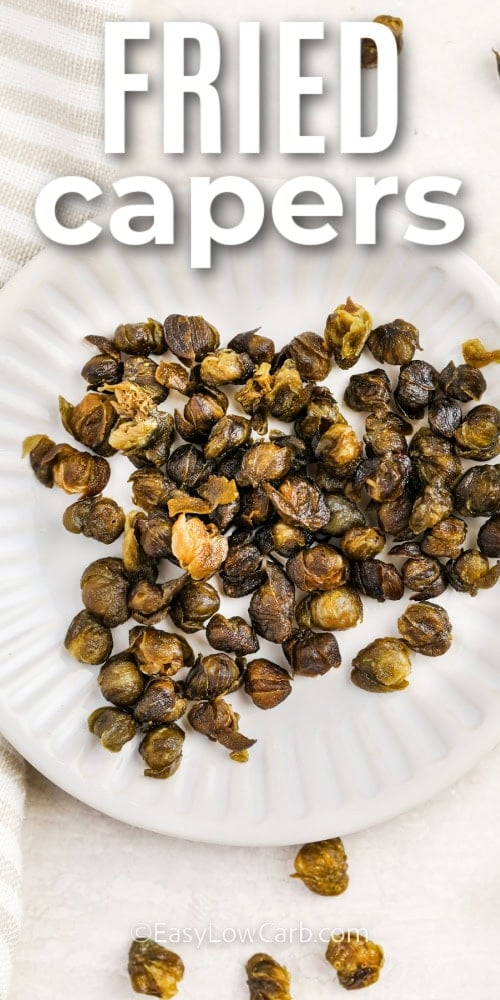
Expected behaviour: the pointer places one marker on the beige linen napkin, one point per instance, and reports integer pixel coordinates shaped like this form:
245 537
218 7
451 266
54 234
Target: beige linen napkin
51 75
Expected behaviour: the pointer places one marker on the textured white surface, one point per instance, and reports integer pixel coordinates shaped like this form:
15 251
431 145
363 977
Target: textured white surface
427 884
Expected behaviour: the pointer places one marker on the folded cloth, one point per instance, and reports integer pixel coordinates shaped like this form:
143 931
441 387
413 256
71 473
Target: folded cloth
51 122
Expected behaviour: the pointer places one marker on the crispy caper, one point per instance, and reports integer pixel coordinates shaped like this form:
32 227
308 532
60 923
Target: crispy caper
362 543
416 388
229 432
149 602
272 605
199 547
356 960
253 343
340 449
444 416
190 337
471 572
462 382
136 563
368 391
445 539
160 703
242 571
344 515
161 749
140 338
322 867
62 465
99 517
211 677
474 352
318 568
431 507
346 332
154 970
159 652
266 979
219 722
255 507
386 432
424 575
113 726
151 489
226 366
172 375
311 356
155 534
383 665
232 635
299 502
204 408
434 458
311 654
120 680
426 628
187 466
477 493
322 410
104 588
488 538
104 368
478 436
87 639
336 609
394 343
266 461
90 421
196 602
266 683
393 516
383 478
142 371
284 539
377 579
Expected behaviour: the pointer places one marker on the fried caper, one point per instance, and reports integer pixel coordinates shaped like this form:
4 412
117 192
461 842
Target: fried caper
383 665
416 388
160 703
434 458
344 515
151 489
272 605
445 539
346 332
199 547
356 960
232 635
471 572
161 749
478 436
318 568
90 421
120 680
194 604
226 366
462 382
477 493
336 609
190 337
154 531
393 516
219 722
159 652
386 432
488 538
322 867
426 628
105 367
266 461
228 433
377 579
444 416
284 539
140 338
154 970
394 343
142 371
211 677
311 654
267 980
266 683
62 465
104 587
205 407
187 466
340 449
299 502
87 639
424 575
99 517
362 543
311 356
253 343
474 352
383 478
368 391
113 726
431 507
149 603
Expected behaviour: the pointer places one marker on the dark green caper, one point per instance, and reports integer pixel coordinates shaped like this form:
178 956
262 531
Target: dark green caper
159 652
196 602
426 628
478 436
471 572
386 432
149 603
344 515
434 458
477 493
383 665
161 750
120 680
95 517
87 639
113 726
232 635
272 605
446 538
431 507
104 587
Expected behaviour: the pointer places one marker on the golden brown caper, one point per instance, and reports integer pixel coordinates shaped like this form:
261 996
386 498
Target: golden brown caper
299 502
120 680
356 960
368 391
462 382
284 539
386 432
242 571
105 367
478 436
143 371
362 543
322 409
154 531
434 458
159 652
87 639
267 980
151 489
194 604
219 722
393 516
426 628
149 603
336 609
232 635
266 461
172 375
340 449
211 677
226 366
385 478
266 683
431 507
394 343
377 579
104 587
253 343
161 749
160 703
199 547
416 388
255 507
190 337
272 605
445 539
62 465
471 572
229 432
477 355
425 576
187 466
318 568
369 60
488 538
154 970
90 421
322 867
477 493
346 332
113 726
143 432
382 665
140 338
444 416
311 654
137 564
311 356
98 517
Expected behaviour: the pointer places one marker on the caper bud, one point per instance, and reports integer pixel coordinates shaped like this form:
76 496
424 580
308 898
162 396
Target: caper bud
272 605
266 683
488 538
462 382
344 515
431 507
199 547
368 391
102 369
266 979
140 338
340 449
224 366
346 332
299 502
153 969
311 654
95 517
143 371
190 337
424 575
203 409
172 375
195 603
90 421
266 461
471 572
377 579
62 465
219 722
434 458
383 478
362 543
322 867
322 410
444 416
383 665
284 539
255 507
386 432
232 635
87 639
445 539
113 726
393 516
155 534
160 703
416 388
336 609
311 356
356 960
426 628
477 494
242 571
149 602
137 564
394 343
253 343
229 432
120 680
161 749
211 677
318 568
151 489
104 588
286 394
159 652
478 436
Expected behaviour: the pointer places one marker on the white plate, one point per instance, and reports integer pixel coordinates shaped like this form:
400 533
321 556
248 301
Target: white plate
332 758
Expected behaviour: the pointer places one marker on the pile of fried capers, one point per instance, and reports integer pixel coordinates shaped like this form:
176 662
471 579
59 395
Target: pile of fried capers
270 511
